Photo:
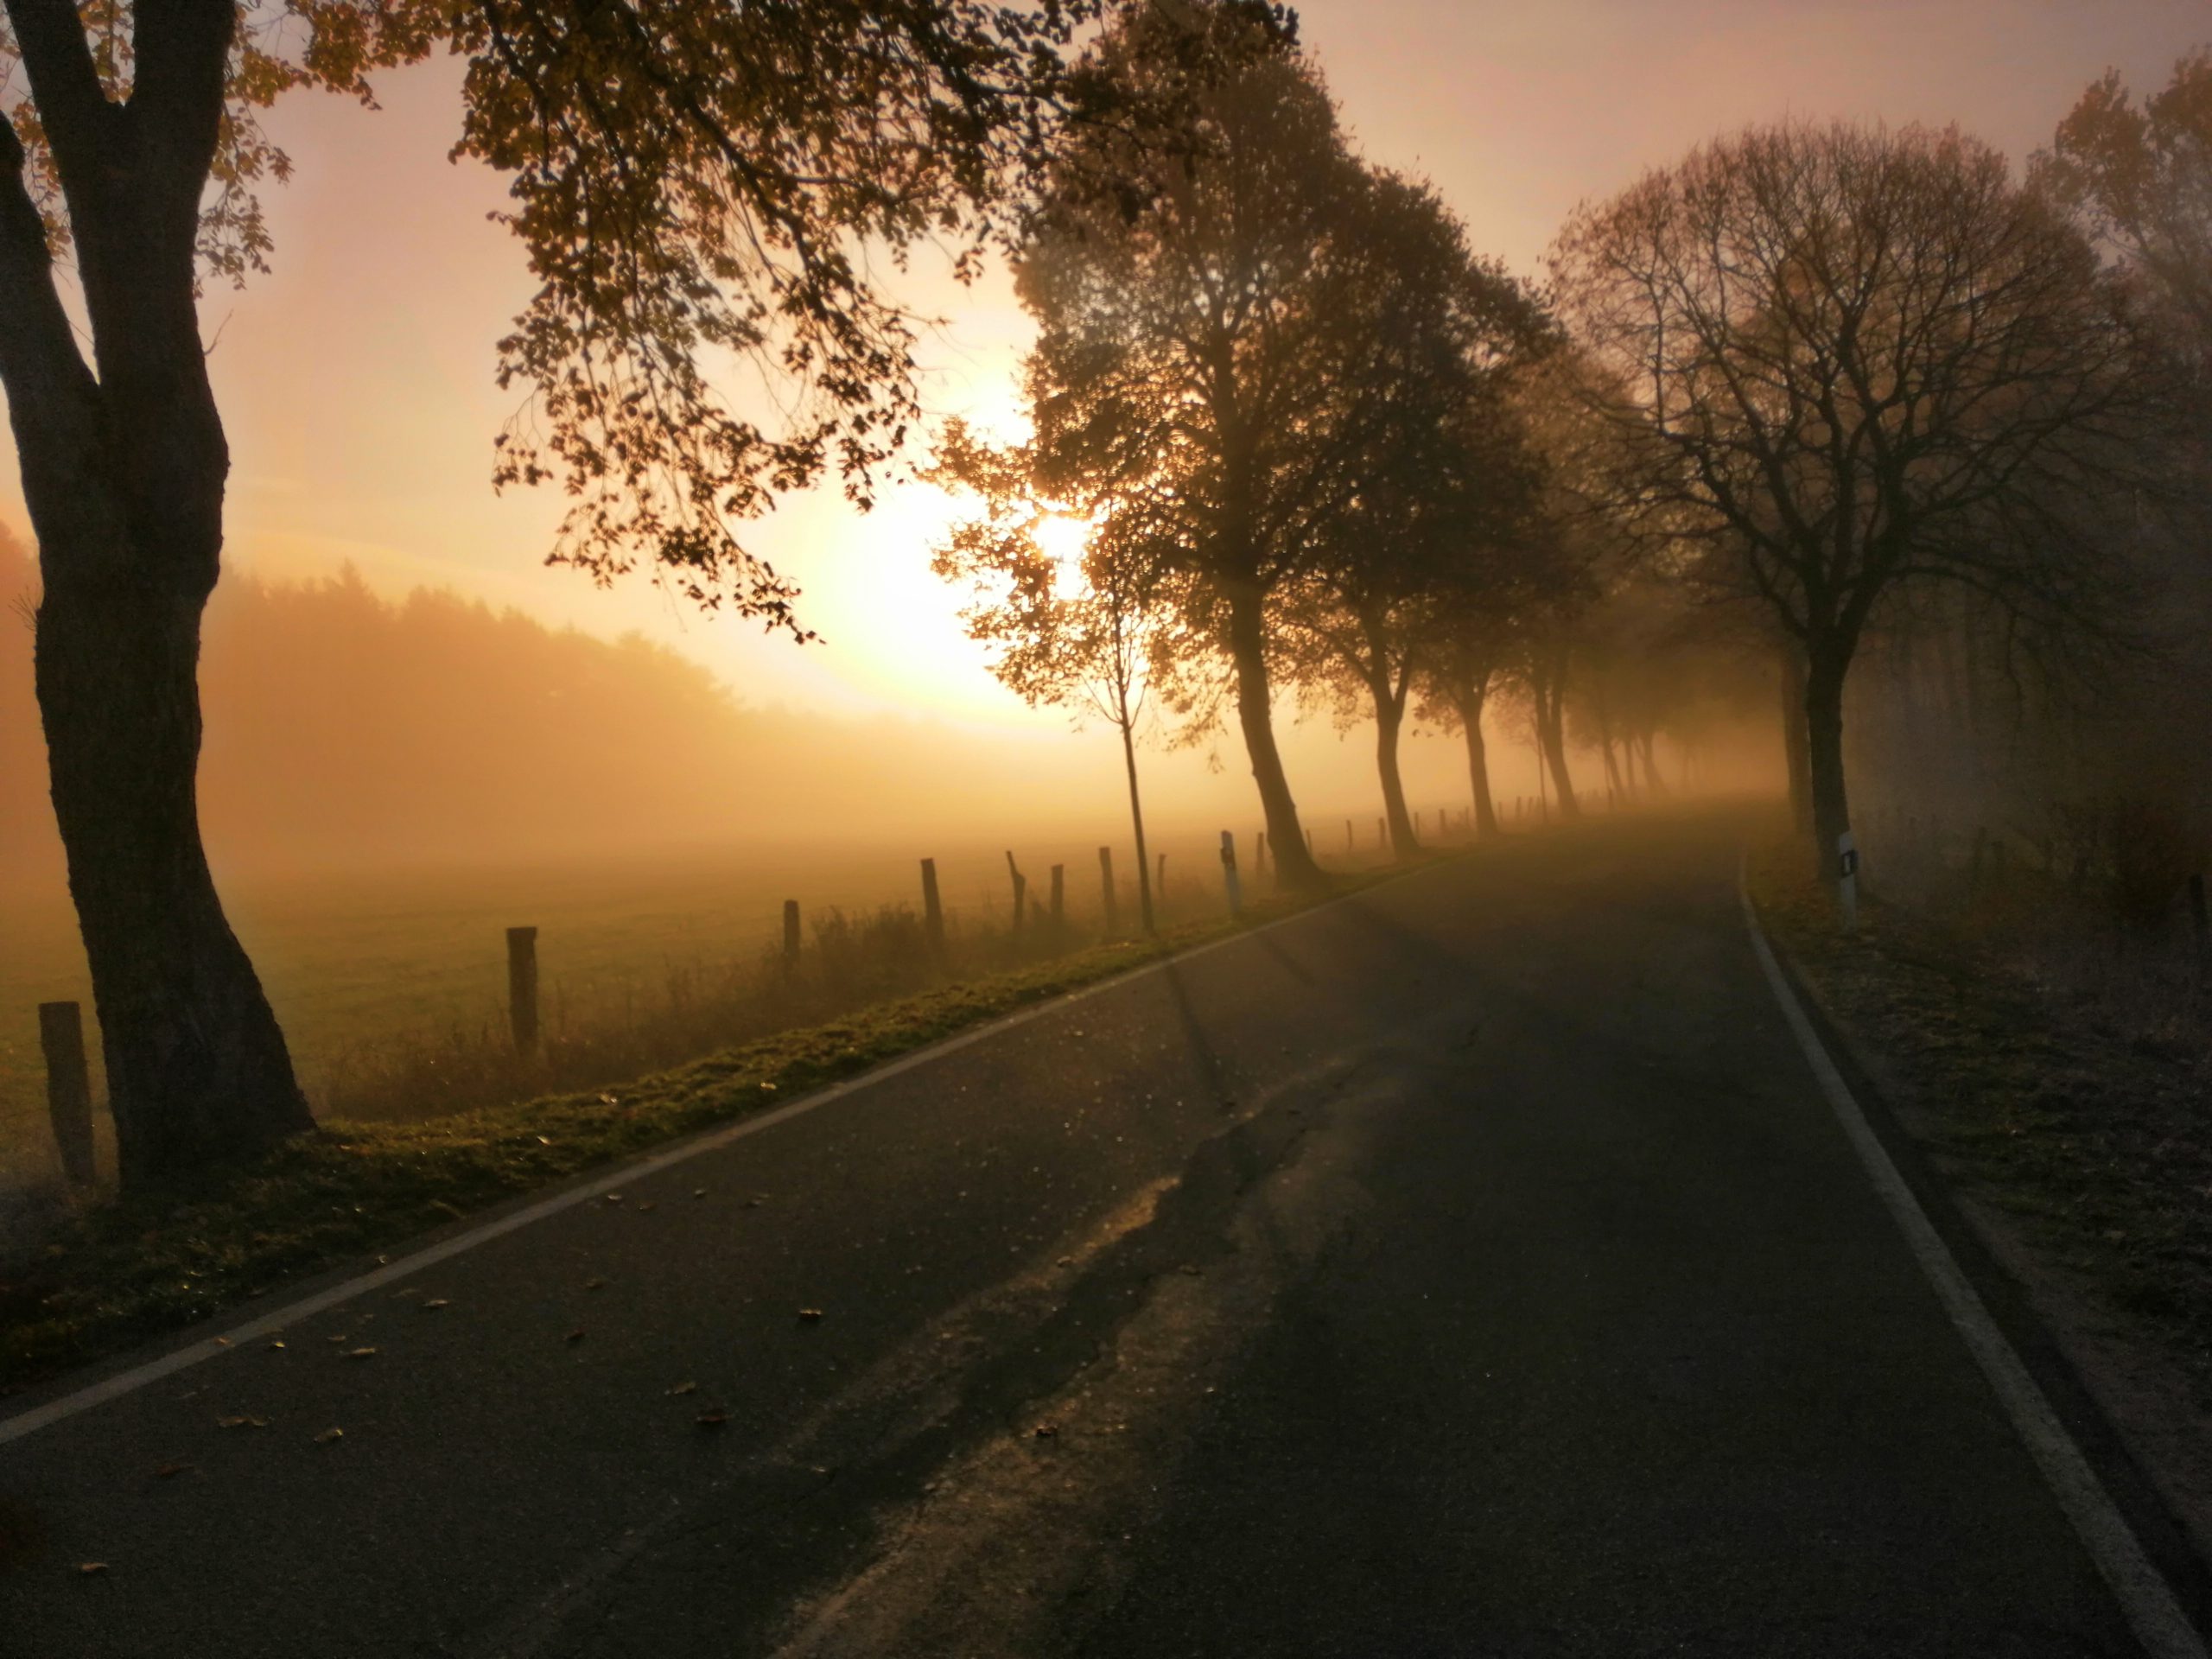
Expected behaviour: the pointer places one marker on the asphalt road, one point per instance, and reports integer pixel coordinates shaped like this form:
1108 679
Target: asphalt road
1466 1268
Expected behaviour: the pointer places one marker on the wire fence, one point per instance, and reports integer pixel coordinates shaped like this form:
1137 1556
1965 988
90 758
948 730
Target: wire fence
402 1006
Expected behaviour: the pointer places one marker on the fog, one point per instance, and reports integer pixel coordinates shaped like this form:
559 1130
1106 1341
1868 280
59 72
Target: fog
348 734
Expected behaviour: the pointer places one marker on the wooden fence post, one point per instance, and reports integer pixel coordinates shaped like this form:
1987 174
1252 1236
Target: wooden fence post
522 987
1228 872
1309 840
1260 853
791 934
1160 881
1382 833
932 909
1106 882
1020 893
1059 897
1348 840
68 1089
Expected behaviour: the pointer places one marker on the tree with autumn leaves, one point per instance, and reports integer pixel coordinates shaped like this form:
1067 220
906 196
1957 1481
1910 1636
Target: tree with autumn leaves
692 185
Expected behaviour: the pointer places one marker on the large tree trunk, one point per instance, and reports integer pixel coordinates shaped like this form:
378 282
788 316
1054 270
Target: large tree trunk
1294 866
1389 718
197 1069
1470 724
124 471
1831 804
1795 750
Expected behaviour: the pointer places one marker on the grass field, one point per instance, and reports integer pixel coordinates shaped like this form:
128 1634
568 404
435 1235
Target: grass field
362 968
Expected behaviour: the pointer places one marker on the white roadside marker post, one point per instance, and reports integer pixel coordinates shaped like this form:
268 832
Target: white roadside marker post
1229 872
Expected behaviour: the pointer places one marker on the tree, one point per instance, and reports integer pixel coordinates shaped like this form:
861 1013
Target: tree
1200 358
1442 473
1861 360
1085 633
1473 636
692 185
2139 179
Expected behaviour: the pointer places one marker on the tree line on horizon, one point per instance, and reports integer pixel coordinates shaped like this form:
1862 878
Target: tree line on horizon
348 730
1764 406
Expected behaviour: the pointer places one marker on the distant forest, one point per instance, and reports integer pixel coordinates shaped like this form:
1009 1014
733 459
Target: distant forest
344 727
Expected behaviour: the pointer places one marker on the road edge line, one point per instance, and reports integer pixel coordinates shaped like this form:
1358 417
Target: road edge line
2147 1600
194 1350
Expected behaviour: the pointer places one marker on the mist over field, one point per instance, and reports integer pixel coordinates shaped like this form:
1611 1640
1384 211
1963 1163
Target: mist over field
352 734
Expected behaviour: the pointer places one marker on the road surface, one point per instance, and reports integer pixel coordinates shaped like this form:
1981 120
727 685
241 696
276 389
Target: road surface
1469 1267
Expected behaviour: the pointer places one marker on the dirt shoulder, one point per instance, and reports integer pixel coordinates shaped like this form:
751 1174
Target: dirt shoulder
2082 1156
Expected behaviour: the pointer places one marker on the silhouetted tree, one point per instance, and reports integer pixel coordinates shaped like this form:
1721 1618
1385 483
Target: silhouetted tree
1869 359
1201 356
688 185
1442 476
2139 179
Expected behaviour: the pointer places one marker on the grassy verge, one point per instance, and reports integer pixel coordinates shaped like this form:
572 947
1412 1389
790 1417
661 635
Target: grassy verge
2091 1142
149 1263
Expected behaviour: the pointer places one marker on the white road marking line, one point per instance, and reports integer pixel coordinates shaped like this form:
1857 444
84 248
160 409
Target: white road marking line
234 1337
2144 1598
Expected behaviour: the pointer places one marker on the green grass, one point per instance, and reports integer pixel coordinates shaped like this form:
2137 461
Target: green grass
133 1269
2094 1140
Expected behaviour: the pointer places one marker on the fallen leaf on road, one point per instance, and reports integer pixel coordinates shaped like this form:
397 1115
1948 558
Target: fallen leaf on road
808 1315
1047 1431
577 1335
361 1353
242 1422
608 1100
329 1435
434 1304
170 1471
88 1569
614 1198
279 1343
698 1191
650 1203
342 1338
712 1418
595 1284
683 1388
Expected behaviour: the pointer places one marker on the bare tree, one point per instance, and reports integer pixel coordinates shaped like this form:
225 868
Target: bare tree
1868 359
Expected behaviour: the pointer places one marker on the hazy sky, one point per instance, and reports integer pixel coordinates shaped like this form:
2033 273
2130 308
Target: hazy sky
356 379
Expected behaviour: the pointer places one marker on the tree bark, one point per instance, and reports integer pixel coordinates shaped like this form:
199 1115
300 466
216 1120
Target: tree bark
1389 718
1470 724
1551 733
1794 751
124 473
1656 784
1294 866
1831 806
